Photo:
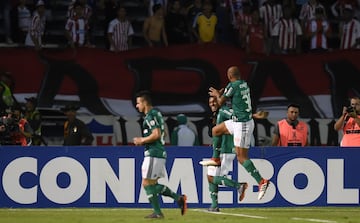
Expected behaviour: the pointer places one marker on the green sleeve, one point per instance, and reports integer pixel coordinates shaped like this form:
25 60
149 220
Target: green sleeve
174 137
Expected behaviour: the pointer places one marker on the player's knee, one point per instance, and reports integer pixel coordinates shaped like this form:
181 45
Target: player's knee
210 178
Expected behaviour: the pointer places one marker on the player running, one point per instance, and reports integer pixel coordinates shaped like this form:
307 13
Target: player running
153 166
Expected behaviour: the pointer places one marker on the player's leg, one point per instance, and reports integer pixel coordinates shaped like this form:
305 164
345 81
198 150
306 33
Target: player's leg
166 191
213 188
217 132
222 128
222 179
242 137
159 169
149 183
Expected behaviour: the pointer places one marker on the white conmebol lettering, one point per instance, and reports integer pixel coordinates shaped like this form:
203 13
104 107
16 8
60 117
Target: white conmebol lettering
182 174
336 193
267 171
78 180
224 197
122 186
315 181
11 180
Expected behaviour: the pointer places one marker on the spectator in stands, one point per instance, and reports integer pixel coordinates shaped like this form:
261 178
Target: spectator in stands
204 26
298 6
75 131
307 12
291 131
224 28
23 18
255 35
5 6
37 27
349 123
154 28
76 27
243 21
176 26
270 13
287 34
318 31
349 30
33 116
86 14
110 13
235 8
120 32
339 6
183 135
192 12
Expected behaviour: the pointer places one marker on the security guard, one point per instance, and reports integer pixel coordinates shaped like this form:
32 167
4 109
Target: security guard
75 131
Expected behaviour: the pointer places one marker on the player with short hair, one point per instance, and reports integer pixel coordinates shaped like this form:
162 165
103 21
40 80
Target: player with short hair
153 166
290 131
241 125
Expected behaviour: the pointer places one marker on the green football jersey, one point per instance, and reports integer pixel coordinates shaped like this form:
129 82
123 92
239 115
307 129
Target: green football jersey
227 141
239 92
153 120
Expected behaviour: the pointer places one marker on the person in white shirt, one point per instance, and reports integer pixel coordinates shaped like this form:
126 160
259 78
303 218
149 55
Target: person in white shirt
37 27
23 20
183 135
120 32
349 30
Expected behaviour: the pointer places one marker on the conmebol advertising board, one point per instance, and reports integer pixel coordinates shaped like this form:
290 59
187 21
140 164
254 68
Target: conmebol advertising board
110 177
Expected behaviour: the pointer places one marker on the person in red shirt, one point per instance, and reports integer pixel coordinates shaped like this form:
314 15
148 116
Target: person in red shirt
349 122
291 131
255 35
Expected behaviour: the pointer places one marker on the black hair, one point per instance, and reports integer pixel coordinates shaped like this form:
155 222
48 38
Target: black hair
293 105
145 95
156 7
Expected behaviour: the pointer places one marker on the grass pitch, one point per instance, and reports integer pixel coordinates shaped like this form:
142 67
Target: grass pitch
227 215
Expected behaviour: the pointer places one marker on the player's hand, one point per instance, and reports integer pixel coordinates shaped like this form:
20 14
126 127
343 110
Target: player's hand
214 92
138 141
261 115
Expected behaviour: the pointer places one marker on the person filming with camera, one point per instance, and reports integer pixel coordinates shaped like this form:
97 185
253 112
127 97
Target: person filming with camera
349 122
17 128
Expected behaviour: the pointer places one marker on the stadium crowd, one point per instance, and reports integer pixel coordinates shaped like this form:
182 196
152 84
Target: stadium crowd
258 26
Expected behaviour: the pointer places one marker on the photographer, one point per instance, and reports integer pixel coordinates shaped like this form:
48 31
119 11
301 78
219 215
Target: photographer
17 128
349 122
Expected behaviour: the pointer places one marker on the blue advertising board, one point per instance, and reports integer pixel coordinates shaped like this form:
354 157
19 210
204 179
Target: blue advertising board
111 177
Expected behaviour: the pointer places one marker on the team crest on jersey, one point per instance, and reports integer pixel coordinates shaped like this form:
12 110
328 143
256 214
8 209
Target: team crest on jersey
145 131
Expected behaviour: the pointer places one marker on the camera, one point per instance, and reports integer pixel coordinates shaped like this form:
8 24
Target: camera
9 127
350 109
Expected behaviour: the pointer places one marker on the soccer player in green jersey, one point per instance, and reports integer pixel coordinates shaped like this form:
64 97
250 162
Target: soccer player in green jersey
217 175
153 166
241 126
